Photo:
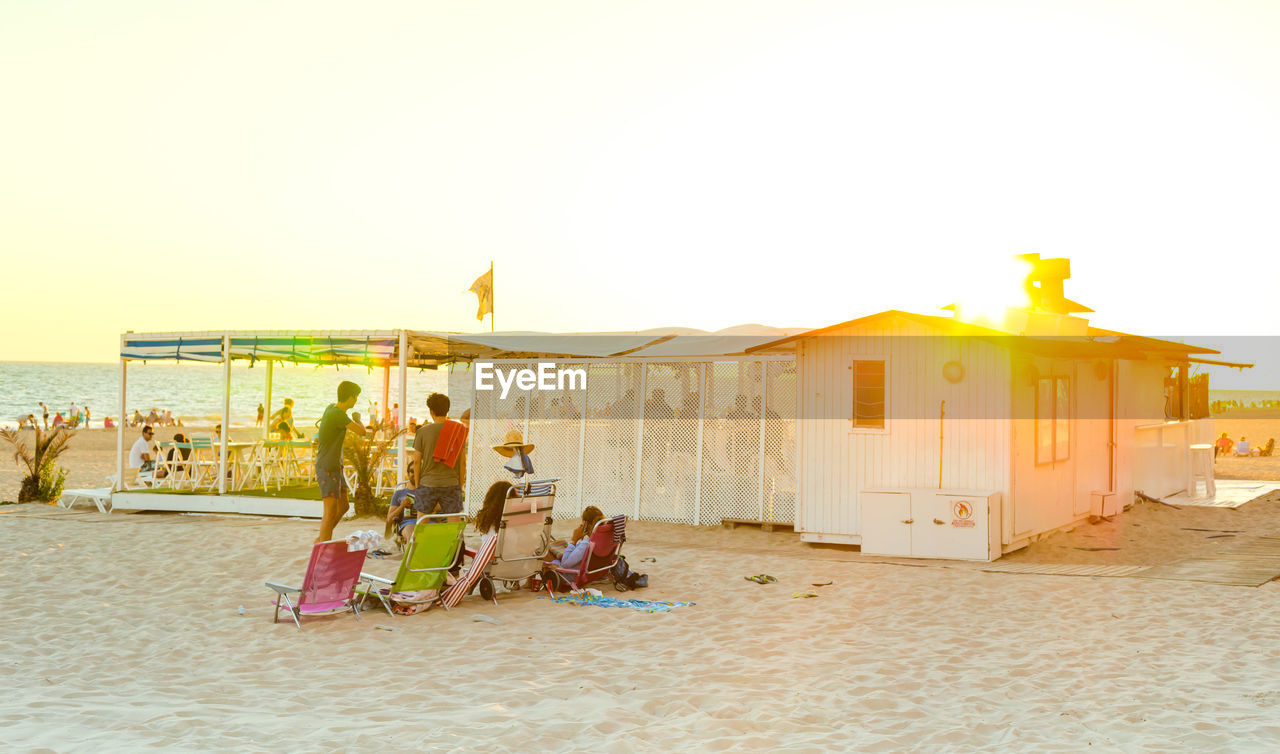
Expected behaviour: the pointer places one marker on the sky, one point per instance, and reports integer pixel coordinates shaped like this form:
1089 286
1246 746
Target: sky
627 165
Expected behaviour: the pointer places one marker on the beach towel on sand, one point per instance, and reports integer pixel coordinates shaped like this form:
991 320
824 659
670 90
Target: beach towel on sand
453 436
644 606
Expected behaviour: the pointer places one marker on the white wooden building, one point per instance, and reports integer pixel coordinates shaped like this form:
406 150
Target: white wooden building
927 436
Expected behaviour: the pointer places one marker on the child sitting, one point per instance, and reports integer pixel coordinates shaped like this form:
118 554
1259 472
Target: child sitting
571 553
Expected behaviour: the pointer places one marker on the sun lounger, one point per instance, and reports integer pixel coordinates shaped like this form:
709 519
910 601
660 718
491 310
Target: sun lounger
329 585
100 497
524 537
431 552
606 544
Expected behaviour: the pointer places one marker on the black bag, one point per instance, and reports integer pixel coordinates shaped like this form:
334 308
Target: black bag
624 578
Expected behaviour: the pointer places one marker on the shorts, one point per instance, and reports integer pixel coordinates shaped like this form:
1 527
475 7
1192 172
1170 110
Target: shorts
332 484
406 521
449 499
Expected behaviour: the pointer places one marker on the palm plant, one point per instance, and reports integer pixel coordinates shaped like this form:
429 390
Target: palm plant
365 455
44 479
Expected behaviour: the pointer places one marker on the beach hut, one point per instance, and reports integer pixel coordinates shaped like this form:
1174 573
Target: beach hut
939 436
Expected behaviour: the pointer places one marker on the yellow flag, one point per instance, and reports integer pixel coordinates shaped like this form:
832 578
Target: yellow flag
483 288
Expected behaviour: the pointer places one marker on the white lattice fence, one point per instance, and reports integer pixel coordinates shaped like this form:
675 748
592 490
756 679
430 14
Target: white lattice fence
778 498
683 441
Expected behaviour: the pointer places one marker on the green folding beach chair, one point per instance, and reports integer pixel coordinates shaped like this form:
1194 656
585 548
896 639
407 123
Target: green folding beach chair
430 554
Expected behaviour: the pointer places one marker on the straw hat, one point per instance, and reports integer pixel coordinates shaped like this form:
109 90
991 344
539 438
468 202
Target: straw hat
511 442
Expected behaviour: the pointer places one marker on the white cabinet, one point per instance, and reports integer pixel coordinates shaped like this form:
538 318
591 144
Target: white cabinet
925 523
886 523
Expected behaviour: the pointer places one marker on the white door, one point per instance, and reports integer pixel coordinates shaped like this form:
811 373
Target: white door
886 523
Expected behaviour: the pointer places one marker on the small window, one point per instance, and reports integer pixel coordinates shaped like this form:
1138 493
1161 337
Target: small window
868 394
1053 419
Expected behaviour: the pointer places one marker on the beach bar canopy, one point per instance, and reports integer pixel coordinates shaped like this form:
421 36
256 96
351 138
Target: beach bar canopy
426 349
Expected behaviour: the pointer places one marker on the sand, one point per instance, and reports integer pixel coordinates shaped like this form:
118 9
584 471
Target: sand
122 631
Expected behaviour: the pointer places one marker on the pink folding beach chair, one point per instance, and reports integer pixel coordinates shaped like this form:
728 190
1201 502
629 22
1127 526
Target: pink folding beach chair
606 544
480 560
329 585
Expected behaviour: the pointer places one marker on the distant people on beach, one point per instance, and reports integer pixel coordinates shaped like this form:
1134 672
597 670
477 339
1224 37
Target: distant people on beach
45 409
1242 447
86 417
107 423
1223 446
137 419
285 415
58 421
261 410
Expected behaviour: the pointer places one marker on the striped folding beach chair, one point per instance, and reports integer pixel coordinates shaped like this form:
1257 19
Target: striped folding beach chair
480 559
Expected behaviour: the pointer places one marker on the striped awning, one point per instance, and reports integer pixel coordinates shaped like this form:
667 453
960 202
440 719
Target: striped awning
316 347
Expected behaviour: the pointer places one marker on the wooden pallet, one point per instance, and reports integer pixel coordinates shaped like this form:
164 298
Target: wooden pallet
730 523
1252 562
1065 569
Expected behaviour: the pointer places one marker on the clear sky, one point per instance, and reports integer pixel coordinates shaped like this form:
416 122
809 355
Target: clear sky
173 166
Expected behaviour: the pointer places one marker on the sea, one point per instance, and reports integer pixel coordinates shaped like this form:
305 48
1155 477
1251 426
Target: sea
193 391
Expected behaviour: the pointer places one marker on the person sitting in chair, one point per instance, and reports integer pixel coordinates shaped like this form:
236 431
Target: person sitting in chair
1242 447
142 456
579 544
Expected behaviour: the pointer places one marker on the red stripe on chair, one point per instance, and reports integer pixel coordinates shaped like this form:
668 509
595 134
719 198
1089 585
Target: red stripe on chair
479 562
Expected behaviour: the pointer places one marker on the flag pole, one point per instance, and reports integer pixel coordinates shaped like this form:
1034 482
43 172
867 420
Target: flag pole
491 297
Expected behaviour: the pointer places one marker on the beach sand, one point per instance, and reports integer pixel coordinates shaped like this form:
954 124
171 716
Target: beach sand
121 631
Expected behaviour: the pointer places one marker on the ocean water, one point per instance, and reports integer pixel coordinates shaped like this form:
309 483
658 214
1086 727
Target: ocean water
194 391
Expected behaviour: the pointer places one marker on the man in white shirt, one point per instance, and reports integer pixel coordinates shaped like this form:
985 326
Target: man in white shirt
142 455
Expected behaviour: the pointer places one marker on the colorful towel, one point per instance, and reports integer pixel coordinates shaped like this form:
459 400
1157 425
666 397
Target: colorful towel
453 437
644 606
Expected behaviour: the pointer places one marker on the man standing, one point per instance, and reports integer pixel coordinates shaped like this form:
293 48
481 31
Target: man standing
333 432
46 415
261 410
437 476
